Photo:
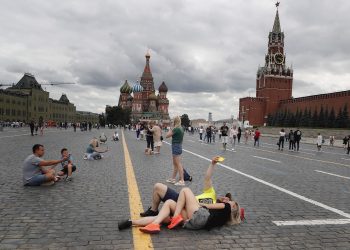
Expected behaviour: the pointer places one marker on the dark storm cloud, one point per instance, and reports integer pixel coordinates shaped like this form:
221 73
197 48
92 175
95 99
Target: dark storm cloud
197 47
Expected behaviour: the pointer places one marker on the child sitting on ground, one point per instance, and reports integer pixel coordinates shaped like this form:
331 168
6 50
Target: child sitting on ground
115 136
67 166
103 138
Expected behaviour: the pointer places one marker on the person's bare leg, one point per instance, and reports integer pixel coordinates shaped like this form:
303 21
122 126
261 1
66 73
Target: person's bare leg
164 213
179 168
158 149
159 191
163 216
143 221
207 179
69 169
175 170
186 201
50 176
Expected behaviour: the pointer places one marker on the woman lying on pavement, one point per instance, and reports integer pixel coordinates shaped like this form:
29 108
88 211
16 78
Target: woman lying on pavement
190 212
163 193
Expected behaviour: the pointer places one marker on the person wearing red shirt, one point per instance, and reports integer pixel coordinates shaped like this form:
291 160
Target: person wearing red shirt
257 137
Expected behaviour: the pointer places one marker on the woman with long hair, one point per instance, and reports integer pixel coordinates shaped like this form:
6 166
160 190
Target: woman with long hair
191 214
176 134
93 151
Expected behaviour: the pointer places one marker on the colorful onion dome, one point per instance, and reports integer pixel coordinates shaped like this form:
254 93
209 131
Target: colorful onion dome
163 88
126 89
137 87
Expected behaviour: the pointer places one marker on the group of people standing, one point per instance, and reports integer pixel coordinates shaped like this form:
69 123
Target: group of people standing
35 126
234 134
153 135
293 137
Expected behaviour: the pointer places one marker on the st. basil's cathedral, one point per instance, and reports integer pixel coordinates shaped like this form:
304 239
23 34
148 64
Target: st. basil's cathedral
142 100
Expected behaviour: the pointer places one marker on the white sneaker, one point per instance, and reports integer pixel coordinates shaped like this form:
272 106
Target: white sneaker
180 183
170 180
69 178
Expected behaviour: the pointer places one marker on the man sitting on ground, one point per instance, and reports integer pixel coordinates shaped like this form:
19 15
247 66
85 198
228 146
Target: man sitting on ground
34 171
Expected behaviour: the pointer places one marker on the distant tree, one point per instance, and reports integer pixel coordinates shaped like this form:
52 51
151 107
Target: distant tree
102 120
326 117
269 120
345 117
314 119
309 119
185 121
126 116
339 119
275 119
290 119
117 116
282 118
320 119
298 118
331 119
303 119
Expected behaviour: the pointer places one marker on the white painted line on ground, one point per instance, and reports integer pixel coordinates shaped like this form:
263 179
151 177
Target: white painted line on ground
9 136
190 141
311 150
287 150
303 198
344 177
345 159
312 222
13 136
265 158
297 156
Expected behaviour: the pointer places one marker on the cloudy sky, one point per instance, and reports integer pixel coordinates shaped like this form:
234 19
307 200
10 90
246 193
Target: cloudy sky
207 52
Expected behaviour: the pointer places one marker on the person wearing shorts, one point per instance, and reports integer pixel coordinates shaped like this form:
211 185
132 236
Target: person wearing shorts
67 166
224 135
157 133
177 135
187 211
34 171
162 193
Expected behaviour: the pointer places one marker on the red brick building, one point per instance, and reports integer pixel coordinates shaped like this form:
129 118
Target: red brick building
274 84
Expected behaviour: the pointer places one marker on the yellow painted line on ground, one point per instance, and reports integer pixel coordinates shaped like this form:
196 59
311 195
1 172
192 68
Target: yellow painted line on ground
301 157
141 240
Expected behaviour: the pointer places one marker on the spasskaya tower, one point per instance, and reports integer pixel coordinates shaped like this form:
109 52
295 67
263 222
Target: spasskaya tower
274 80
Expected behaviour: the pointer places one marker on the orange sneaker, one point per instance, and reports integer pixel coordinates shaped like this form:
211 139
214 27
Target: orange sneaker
175 221
151 229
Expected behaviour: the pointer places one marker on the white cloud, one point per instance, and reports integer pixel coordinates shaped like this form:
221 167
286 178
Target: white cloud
206 52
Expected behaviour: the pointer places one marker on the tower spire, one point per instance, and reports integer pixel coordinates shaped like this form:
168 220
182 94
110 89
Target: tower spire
276 25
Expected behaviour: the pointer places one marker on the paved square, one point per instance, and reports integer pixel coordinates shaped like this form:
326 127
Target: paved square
274 187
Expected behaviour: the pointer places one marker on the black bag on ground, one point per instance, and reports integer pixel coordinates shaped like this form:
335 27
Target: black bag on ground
187 177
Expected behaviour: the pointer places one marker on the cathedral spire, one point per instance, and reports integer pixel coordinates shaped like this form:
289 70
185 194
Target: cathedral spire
147 71
276 25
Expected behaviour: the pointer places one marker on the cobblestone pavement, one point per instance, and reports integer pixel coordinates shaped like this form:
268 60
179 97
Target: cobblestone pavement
271 185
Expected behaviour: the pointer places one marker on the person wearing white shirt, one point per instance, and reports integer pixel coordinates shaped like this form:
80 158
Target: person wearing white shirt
281 140
319 141
233 136
201 133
